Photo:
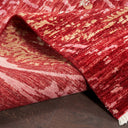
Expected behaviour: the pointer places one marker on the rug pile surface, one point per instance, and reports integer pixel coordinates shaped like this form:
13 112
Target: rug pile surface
53 48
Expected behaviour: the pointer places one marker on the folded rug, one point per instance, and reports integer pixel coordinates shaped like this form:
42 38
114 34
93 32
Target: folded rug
92 36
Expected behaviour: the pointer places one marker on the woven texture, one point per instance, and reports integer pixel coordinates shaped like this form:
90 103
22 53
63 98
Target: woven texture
51 48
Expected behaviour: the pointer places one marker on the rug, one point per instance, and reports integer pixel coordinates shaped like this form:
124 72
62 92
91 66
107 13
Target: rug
53 48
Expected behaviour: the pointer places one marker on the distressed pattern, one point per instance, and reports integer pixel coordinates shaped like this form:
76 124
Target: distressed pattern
97 47
39 34
96 44
30 71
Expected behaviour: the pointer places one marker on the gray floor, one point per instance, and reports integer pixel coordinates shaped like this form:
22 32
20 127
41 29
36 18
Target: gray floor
74 111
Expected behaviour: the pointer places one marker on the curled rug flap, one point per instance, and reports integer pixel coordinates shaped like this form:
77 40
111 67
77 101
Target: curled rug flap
93 38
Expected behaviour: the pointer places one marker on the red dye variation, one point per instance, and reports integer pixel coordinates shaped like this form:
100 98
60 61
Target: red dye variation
50 48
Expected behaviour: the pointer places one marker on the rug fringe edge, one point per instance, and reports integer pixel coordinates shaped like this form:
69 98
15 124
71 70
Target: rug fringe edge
123 119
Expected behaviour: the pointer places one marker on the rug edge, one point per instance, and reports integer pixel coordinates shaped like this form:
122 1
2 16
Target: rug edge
123 119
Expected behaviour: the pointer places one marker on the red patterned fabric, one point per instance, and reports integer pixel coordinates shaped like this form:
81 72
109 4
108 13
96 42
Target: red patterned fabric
36 36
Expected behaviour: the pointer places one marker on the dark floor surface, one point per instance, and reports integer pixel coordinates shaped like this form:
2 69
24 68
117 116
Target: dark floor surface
74 111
